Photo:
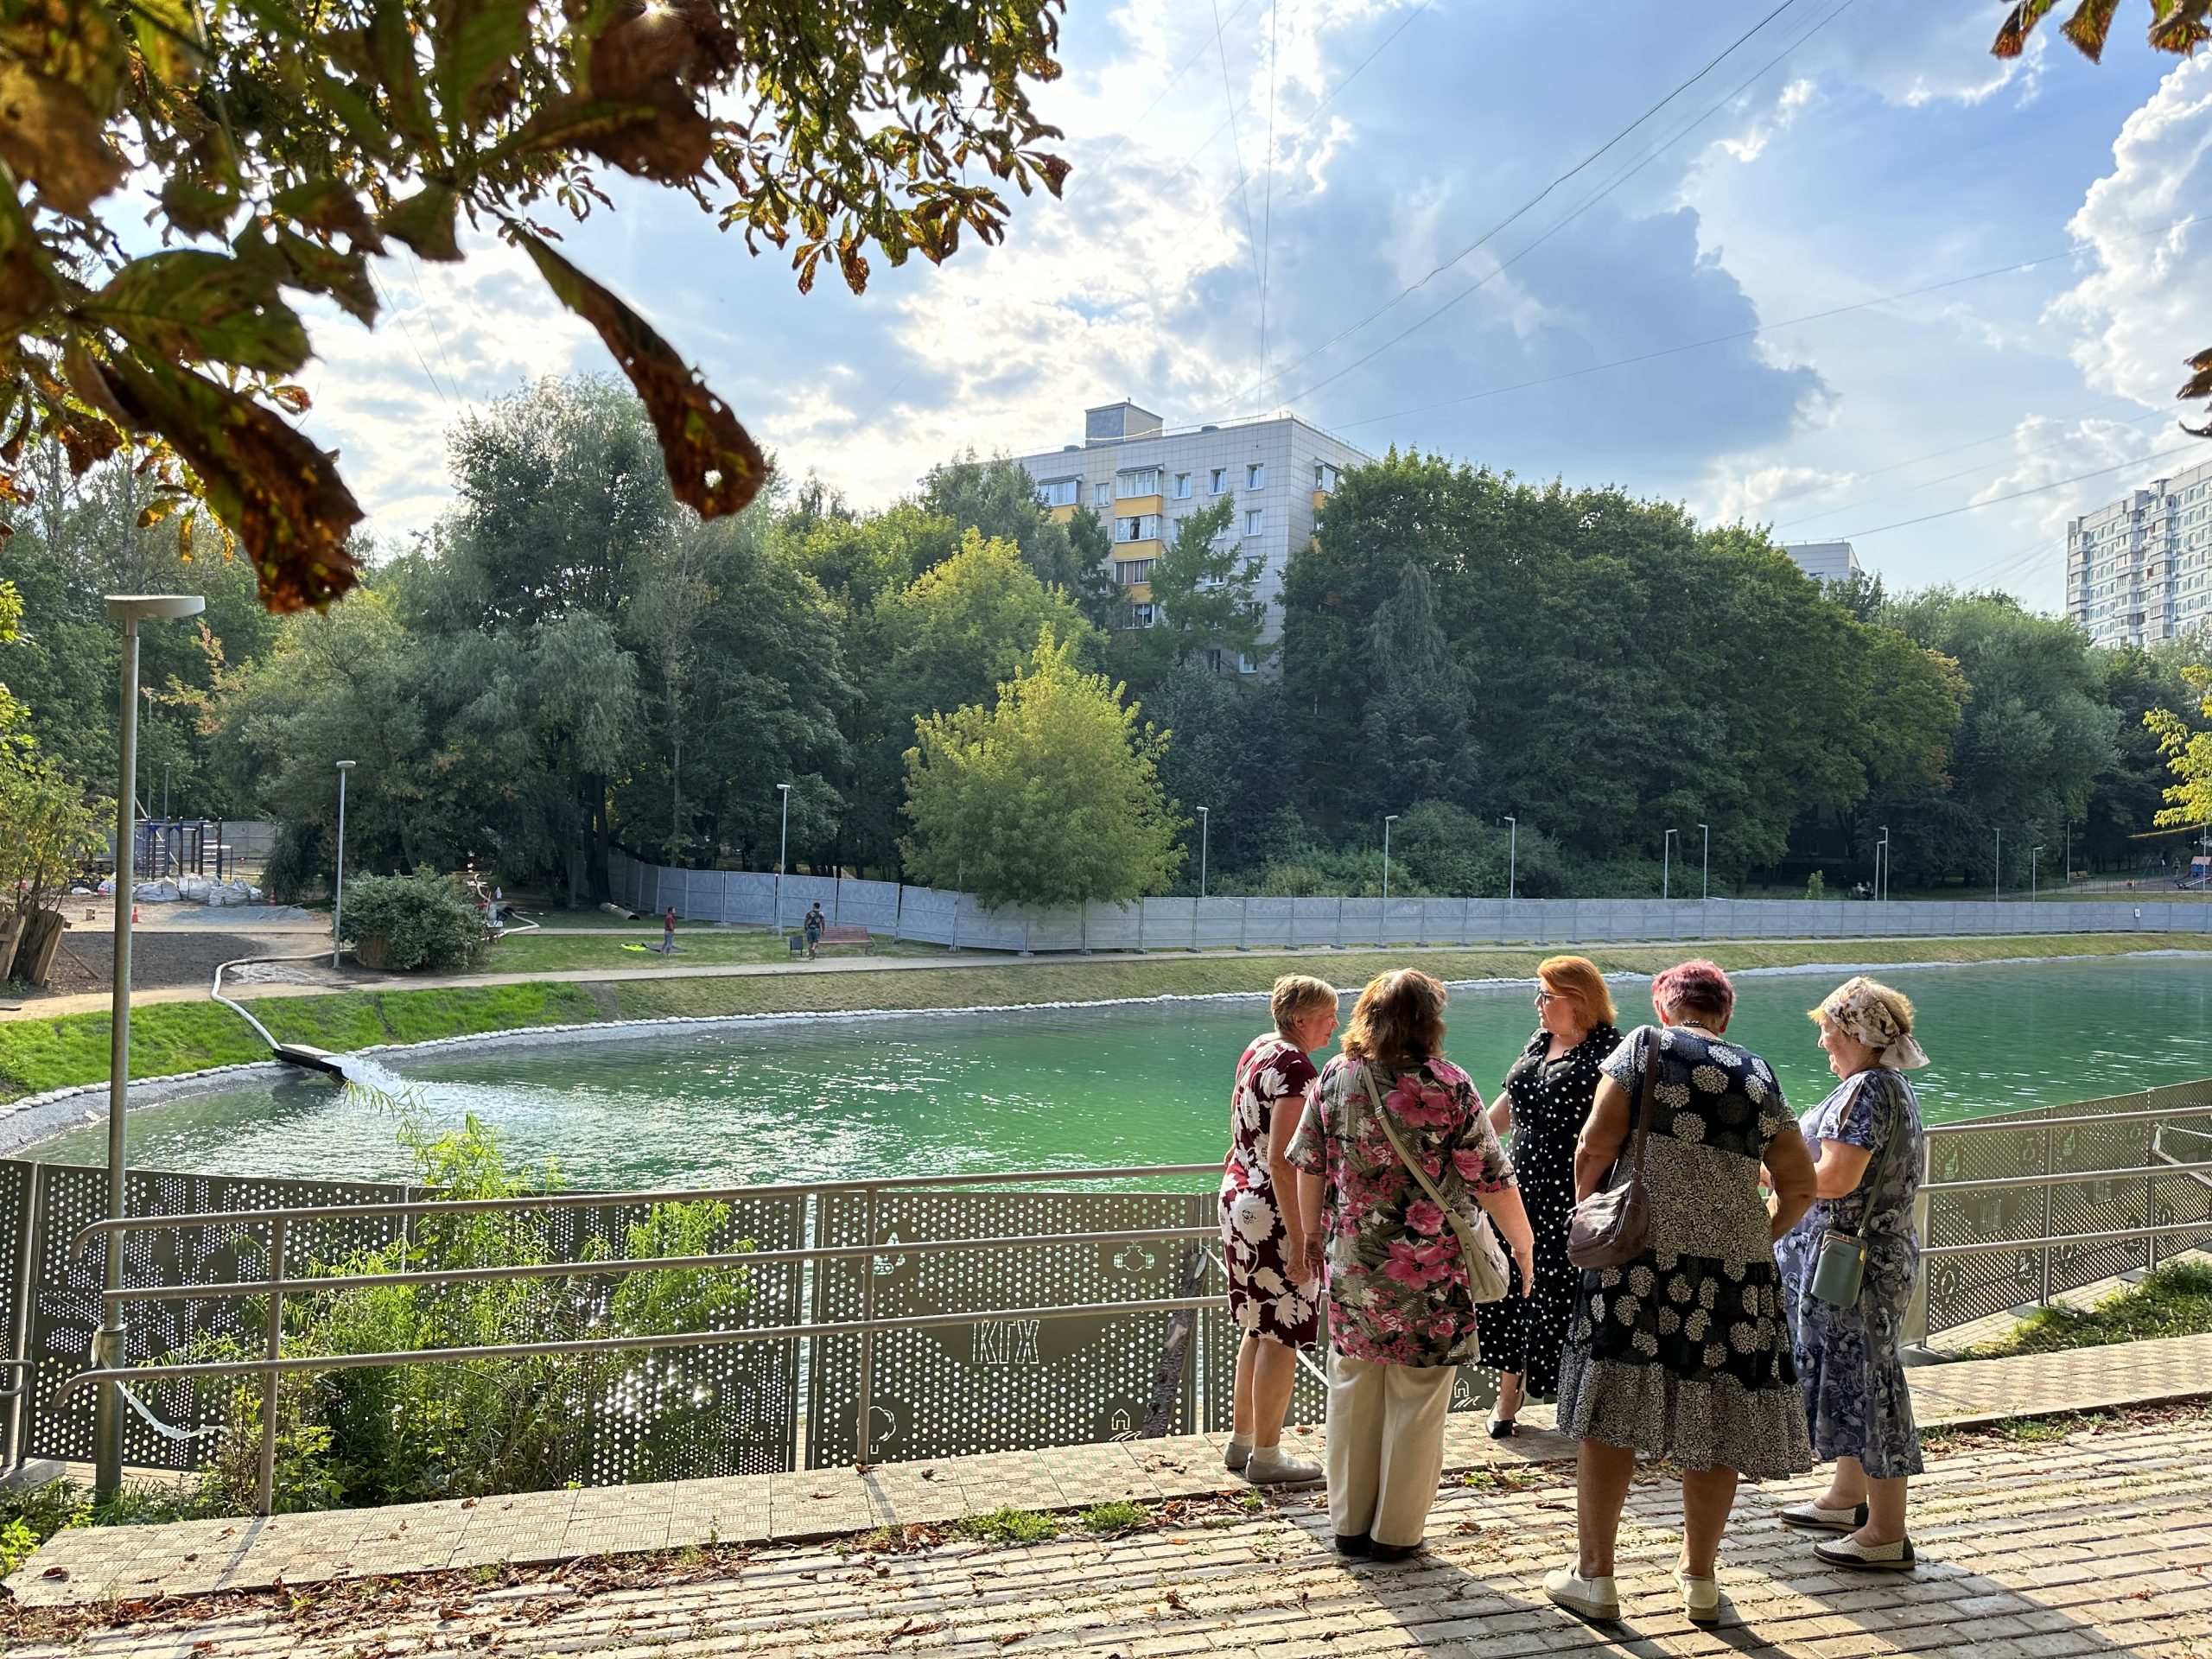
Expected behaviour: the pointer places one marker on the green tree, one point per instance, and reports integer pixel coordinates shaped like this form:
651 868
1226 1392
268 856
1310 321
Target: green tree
1208 610
2188 754
997 499
1227 755
286 147
1051 797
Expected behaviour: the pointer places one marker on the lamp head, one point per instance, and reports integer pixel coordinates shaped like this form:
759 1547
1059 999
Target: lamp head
346 766
137 607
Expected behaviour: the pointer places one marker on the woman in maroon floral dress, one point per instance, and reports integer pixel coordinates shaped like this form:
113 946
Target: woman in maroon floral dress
1260 1240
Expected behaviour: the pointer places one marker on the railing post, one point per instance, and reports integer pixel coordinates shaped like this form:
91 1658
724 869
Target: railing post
265 1484
866 1389
1916 1314
2043 1296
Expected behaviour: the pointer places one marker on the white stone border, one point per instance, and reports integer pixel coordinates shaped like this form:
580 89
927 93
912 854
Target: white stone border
35 1118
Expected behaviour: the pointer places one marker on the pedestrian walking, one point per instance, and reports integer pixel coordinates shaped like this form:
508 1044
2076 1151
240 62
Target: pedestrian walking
814 926
668 933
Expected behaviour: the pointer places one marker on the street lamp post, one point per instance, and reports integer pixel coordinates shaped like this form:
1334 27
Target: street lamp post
1705 891
129 609
2066 875
1997 869
1512 852
1667 866
338 897
1883 885
1204 825
1388 819
782 846
2034 852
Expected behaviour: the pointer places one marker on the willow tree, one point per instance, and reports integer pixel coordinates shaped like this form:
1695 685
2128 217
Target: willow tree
286 145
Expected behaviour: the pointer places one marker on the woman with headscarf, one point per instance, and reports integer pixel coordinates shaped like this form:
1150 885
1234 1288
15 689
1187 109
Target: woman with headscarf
1867 1150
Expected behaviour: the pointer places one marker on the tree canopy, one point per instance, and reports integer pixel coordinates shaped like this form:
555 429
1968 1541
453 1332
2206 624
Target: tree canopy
285 149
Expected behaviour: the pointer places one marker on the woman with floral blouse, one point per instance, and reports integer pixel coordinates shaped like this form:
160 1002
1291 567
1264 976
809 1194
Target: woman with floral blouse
1401 1319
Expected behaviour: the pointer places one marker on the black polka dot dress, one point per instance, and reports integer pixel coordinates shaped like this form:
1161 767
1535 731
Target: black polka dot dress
1550 1099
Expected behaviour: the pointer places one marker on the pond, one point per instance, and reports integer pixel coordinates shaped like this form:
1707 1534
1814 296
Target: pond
841 1096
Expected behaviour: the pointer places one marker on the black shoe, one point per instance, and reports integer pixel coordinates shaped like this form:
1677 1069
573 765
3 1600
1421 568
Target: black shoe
1392 1552
1503 1428
1354 1543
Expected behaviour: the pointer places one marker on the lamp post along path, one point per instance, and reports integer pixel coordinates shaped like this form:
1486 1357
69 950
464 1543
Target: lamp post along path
338 896
129 609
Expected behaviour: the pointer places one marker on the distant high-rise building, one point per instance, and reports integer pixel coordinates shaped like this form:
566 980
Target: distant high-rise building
2139 570
1824 560
1143 480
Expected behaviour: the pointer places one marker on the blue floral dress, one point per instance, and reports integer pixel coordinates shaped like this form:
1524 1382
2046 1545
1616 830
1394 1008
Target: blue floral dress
1856 1402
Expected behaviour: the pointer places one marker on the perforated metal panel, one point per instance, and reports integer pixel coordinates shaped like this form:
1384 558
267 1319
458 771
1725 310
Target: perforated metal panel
65 1307
996 1384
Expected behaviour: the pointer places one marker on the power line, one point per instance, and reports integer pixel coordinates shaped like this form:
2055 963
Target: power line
1581 207
1739 333
1229 97
1438 270
1267 160
2034 489
1130 131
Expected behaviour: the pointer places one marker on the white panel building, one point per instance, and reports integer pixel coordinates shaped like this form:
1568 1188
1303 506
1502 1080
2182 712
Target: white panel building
1143 479
1824 560
2139 571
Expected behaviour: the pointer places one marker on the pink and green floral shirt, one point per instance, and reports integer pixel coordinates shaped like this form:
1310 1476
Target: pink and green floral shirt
1397 1285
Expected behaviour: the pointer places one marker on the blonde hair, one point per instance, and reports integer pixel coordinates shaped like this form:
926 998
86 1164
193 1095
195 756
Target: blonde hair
1577 977
1398 1022
1836 1007
1294 995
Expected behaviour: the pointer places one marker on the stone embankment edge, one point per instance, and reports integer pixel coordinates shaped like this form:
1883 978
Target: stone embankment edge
33 1118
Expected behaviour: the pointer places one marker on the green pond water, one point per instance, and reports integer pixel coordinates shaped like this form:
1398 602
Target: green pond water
842 1096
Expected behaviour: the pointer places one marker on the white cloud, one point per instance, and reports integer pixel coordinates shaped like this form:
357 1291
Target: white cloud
1915 53
1750 144
2142 309
1739 497
450 336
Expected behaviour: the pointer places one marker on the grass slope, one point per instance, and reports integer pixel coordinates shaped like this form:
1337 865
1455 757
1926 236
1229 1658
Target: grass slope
2175 1300
167 1037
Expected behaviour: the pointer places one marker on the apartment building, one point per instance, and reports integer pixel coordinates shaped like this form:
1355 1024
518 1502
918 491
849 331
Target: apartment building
1824 562
1143 480
2139 571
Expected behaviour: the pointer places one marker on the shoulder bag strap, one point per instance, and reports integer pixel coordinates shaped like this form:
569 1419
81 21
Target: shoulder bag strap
1644 1094
1390 1133
1880 1167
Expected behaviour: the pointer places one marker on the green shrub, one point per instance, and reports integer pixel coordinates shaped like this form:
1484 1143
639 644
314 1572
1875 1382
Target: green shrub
409 922
1118 1515
1815 888
378 1435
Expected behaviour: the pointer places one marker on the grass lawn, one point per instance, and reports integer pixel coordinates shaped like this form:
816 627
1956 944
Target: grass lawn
167 1037
628 946
2175 1300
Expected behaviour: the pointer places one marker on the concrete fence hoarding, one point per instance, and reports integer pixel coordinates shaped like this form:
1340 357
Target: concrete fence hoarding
931 917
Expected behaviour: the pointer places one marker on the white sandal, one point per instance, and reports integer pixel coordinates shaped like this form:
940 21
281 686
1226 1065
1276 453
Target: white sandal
1811 1517
1847 1551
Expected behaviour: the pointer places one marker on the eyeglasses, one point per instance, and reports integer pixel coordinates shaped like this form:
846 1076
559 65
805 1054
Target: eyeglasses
1544 998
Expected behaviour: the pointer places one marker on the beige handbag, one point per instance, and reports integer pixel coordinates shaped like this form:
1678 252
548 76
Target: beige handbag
1478 1246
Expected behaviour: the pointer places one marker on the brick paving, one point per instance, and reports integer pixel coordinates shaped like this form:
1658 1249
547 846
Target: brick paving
204 1557
2097 1544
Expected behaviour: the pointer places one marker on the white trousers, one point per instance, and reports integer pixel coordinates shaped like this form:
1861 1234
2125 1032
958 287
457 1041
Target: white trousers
1386 1445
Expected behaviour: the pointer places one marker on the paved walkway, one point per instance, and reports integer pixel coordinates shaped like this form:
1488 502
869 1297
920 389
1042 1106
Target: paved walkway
2098 1544
201 1557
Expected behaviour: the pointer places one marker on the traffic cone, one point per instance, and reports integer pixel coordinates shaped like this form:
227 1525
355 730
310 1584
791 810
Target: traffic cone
134 915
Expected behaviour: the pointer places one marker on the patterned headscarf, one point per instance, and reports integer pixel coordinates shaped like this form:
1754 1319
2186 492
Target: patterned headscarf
1869 1012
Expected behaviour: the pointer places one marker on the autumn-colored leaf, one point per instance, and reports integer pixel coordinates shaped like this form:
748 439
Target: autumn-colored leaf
325 205
477 42
51 134
2012 34
2089 26
391 49
425 222
191 304
713 463
281 494
27 284
86 440
2199 384
169 37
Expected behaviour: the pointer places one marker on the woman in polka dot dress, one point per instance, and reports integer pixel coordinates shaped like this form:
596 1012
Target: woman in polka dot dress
1684 1351
1545 1099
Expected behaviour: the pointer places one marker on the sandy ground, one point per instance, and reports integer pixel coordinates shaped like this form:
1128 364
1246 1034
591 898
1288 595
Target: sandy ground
177 946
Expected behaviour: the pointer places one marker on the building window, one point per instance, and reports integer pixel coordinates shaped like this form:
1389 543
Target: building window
1255 521
1143 482
1059 492
1182 487
1220 477
1129 572
1102 495
1256 476
1324 476
1144 527
1141 615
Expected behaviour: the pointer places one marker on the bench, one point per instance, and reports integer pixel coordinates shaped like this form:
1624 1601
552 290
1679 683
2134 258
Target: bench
829 936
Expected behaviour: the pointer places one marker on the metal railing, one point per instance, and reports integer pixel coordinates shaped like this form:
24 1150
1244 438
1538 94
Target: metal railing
273 1288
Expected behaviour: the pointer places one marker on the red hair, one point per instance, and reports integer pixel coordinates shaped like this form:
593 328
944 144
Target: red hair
1697 985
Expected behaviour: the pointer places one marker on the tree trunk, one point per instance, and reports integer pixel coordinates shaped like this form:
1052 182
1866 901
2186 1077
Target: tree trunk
596 885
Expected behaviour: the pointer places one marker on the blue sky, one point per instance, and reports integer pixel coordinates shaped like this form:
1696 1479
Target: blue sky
1876 150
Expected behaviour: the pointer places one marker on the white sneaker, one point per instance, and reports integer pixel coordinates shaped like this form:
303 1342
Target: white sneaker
1269 1465
1236 1455
1847 1551
1590 1598
1811 1517
1700 1598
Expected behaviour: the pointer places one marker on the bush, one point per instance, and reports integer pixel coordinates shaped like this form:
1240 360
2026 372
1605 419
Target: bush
1815 888
1007 1525
403 923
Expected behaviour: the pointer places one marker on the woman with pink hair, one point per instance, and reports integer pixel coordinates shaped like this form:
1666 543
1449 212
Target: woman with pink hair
1683 1351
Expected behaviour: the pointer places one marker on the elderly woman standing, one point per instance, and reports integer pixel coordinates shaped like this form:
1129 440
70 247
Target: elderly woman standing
1543 1103
1275 1302
1402 1316
1683 1351
1865 1141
